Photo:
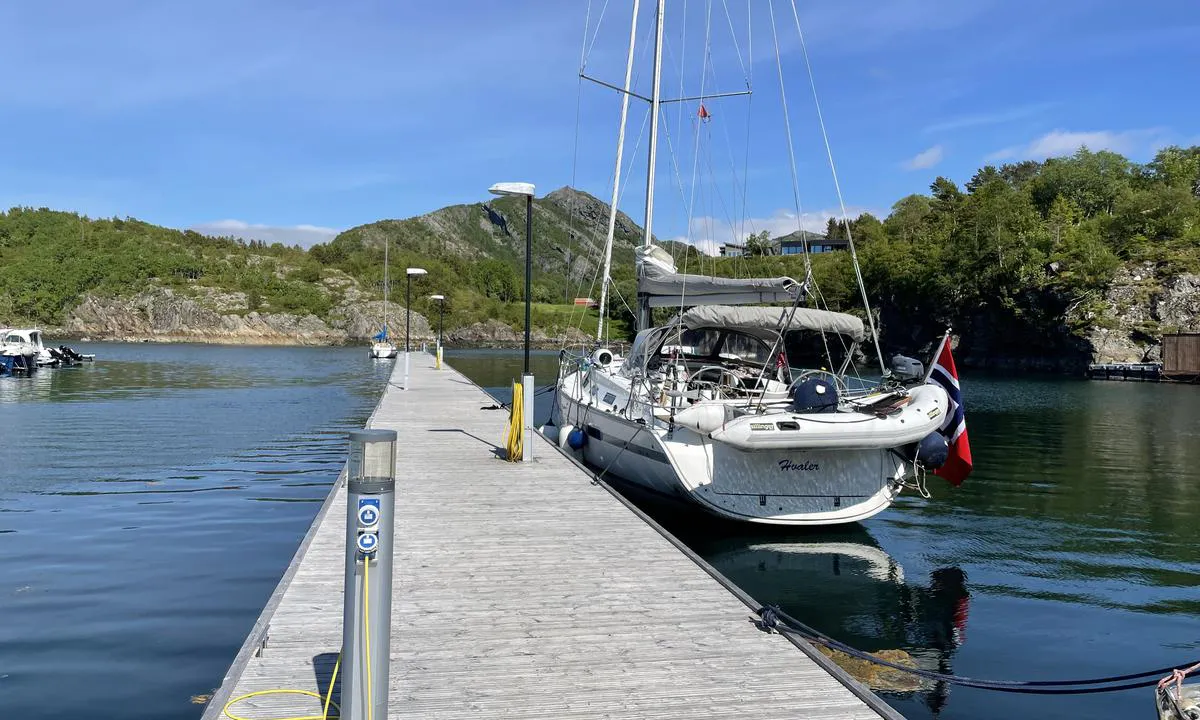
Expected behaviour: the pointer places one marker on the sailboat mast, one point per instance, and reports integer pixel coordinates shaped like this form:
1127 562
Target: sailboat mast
655 100
616 191
386 287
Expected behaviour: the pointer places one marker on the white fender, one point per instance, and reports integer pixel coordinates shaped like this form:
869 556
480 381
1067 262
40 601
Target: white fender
703 417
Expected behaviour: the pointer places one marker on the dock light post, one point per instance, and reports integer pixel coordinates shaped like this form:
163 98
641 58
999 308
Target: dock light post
367 606
526 190
408 276
441 315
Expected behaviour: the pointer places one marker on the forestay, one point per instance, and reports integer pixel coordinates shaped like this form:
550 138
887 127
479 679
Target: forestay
664 287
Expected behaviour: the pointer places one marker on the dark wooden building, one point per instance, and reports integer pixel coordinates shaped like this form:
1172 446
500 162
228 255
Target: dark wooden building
1181 357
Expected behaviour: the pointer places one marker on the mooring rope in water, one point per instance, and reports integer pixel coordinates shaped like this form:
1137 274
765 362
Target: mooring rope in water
772 618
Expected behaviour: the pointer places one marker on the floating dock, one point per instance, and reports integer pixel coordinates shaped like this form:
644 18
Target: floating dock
526 590
1125 371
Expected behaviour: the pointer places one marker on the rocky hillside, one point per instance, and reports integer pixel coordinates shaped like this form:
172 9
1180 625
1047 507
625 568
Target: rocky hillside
1142 307
1044 265
165 315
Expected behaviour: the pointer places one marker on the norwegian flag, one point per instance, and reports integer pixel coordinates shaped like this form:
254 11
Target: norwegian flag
954 427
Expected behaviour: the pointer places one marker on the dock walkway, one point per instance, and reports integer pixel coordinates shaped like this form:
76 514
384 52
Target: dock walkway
526 591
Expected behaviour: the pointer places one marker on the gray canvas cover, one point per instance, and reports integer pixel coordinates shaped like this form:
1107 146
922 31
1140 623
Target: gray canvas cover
658 279
764 320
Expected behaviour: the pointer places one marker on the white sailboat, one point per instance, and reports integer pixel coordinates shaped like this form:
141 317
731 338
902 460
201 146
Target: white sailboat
382 347
709 407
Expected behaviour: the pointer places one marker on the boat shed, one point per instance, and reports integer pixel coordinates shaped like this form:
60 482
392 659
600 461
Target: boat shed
1181 357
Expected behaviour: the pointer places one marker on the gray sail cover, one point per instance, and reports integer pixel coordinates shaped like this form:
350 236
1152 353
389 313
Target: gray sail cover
665 287
762 321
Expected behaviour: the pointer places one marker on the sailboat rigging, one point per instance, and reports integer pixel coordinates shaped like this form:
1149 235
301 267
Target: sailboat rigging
709 407
383 348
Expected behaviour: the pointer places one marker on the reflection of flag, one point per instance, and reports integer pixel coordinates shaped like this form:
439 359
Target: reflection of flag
781 367
954 427
704 114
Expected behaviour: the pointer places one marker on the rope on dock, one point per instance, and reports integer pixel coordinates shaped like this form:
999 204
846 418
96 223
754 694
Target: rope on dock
772 618
516 423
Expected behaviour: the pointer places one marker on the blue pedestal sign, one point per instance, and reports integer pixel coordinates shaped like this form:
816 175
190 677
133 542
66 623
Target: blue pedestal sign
368 512
367 542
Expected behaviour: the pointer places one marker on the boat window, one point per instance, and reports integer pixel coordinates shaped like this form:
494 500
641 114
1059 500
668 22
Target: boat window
806 349
695 343
745 347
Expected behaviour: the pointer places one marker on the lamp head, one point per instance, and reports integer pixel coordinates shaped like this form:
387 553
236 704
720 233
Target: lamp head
417 271
437 297
512 188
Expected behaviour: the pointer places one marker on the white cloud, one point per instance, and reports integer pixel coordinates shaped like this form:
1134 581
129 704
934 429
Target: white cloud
708 234
302 235
1062 142
925 159
993 118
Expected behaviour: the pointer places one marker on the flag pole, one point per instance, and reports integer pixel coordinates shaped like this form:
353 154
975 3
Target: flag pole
937 353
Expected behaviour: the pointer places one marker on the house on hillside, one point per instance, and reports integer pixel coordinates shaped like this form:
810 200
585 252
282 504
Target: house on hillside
793 243
732 250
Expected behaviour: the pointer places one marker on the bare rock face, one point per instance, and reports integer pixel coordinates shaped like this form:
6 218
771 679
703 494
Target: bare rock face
161 314
1142 307
491 332
362 320
1177 307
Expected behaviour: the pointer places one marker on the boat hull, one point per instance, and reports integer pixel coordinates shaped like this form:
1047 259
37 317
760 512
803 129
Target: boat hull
776 487
383 351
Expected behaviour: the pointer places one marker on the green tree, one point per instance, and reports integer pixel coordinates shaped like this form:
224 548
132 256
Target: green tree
759 244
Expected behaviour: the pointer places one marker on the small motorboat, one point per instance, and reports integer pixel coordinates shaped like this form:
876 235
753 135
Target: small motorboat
28 343
22 344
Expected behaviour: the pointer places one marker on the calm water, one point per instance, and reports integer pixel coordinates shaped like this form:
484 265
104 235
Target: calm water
1071 551
149 504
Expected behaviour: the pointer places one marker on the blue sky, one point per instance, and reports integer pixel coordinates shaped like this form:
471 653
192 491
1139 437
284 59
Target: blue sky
292 119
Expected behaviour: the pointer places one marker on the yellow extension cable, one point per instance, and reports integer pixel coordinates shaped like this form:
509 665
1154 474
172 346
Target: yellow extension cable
333 679
324 713
367 632
516 424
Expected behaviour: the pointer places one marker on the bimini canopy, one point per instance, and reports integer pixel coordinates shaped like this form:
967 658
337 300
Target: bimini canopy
665 287
763 321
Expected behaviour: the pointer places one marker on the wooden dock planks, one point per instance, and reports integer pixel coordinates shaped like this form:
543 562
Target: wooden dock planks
526 591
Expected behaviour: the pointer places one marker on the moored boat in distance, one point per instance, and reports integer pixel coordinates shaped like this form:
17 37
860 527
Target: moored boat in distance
28 343
382 348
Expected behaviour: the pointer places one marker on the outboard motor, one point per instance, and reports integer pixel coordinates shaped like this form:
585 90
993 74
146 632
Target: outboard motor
815 395
906 369
932 451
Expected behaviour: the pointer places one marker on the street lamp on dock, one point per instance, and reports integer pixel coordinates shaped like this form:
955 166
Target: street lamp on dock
525 190
408 276
441 314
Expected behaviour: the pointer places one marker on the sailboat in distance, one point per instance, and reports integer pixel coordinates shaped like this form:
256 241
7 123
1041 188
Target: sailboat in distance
714 406
382 347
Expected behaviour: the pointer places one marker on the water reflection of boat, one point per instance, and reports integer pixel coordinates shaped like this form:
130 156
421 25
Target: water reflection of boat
847 586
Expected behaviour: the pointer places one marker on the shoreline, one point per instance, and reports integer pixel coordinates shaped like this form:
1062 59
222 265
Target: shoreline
52 338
